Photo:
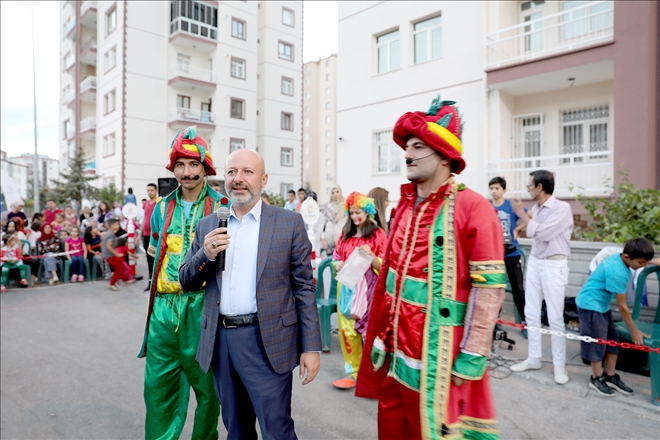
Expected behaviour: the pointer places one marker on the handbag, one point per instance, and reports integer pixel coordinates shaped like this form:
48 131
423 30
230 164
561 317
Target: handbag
359 301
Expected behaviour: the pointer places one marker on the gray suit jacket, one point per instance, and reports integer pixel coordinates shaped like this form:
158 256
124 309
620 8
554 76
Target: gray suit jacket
286 296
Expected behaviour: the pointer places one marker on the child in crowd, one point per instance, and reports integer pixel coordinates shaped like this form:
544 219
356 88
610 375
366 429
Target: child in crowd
114 255
47 245
608 280
93 245
512 255
361 231
70 216
78 253
11 258
58 224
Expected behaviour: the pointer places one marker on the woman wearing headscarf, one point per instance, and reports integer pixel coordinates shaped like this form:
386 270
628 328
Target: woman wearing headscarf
335 217
381 200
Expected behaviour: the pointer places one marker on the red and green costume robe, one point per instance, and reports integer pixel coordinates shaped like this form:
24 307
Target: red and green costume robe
173 325
434 309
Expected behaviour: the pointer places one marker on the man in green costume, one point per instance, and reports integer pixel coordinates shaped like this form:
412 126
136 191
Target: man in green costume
174 316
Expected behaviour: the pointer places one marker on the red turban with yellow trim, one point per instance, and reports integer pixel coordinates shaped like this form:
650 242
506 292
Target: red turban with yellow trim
440 128
189 145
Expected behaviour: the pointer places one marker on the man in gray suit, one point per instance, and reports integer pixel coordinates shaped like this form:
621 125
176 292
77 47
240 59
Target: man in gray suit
260 318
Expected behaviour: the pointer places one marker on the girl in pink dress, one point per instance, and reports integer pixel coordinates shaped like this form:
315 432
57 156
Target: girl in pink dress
78 252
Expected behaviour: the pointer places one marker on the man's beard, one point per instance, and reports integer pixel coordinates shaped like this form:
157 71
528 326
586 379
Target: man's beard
245 199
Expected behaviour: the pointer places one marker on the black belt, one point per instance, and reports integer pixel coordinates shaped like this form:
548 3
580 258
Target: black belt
239 320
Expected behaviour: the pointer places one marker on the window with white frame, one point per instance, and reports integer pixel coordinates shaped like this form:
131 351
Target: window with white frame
327 91
388 154
285 188
182 101
287 88
581 19
306 122
328 177
286 121
327 77
67 129
327 63
285 51
306 95
387 48
110 59
306 136
327 105
287 17
237 68
306 81
327 119
328 162
237 108
183 62
109 102
111 20
328 148
238 28
236 144
327 133
428 39
109 145
306 109
585 130
286 157
307 68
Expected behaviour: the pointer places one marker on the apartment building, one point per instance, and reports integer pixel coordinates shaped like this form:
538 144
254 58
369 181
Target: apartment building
134 73
49 169
320 126
569 86
18 172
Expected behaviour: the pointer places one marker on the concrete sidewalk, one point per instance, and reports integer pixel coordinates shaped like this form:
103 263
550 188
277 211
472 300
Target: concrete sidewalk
69 371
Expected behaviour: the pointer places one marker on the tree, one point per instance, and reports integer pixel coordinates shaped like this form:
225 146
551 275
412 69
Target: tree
75 185
110 194
275 199
628 213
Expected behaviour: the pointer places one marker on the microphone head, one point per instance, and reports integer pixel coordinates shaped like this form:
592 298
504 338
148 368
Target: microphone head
196 177
409 161
222 213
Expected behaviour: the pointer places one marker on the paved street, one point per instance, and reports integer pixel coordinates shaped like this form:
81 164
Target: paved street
69 371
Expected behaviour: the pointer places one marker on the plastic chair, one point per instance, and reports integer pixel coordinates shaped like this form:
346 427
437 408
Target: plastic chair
26 243
650 328
326 307
67 270
523 254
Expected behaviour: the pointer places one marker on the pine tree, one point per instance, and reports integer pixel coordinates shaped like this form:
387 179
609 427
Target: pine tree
74 185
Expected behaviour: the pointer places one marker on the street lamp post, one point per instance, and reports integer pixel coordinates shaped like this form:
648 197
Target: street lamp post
35 171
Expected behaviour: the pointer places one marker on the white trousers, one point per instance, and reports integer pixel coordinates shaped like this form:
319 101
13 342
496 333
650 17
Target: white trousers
546 279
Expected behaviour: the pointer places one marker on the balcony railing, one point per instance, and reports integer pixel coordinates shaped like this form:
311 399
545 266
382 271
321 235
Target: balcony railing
186 114
586 25
69 62
69 97
578 173
87 84
194 27
192 72
88 124
86 6
70 27
89 43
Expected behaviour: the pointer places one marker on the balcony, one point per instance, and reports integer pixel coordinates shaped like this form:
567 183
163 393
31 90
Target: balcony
192 78
589 25
70 31
88 128
69 98
89 51
90 169
181 118
88 89
193 34
577 173
88 14
69 62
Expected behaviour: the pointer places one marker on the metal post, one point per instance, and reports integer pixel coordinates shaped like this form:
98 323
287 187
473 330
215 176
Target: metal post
35 171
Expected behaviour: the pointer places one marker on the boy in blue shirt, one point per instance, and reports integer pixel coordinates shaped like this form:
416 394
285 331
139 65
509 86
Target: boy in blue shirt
609 279
508 218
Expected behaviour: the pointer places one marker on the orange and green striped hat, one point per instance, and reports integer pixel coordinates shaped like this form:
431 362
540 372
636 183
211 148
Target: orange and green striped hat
440 128
189 145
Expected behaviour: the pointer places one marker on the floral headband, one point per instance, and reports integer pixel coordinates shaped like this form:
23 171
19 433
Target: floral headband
360 201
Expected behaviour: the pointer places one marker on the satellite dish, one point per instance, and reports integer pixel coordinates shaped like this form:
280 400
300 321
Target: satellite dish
310 211
130 211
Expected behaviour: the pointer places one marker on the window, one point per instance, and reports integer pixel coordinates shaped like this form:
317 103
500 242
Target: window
237 108
327 91
327 63
327 77
306 109
387 47
328 148
577 26
285 51
206 106
109 102
306 81
67 129
328 162
327 133
388 154
182 101
287 17
306 164
110 59
306 95
306 122
111 20
327 105
327 119
236 144
287 88
328 177
238 28
68 60
306 136
428 39
307 68
534 40
286 121
237 68
286 157
194 17
585 130
183 62
285 188
109 145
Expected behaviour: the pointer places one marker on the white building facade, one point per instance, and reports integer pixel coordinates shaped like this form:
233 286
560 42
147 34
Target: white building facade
49 168
16 171
141 71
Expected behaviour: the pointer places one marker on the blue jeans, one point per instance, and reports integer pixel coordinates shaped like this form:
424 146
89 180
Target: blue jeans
77 265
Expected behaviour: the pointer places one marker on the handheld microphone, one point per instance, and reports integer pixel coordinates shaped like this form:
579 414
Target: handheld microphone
195 177
409 161
223 216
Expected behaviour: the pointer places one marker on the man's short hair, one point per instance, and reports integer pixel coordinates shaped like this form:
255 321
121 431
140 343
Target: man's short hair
639 248
152 185
544 178
499 181
264 196
302 189
292 192
111 221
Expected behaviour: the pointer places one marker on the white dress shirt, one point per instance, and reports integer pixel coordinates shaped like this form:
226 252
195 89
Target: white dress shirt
239 279
550 228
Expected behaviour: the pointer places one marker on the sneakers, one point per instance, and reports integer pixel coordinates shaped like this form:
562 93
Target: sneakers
55 278
601 386
3 289
113 287
525 365
615 383
24 282
74 278
344 384
81 278
561 377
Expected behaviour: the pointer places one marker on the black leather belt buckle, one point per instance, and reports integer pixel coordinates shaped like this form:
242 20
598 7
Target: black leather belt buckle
239 320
